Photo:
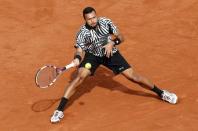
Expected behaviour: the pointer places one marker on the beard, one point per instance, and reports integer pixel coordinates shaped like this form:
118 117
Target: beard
93 25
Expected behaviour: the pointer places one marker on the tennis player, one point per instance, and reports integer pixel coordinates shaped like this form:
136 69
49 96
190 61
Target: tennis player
95 45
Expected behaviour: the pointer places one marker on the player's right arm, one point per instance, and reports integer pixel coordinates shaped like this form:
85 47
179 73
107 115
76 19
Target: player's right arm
78 55
80 47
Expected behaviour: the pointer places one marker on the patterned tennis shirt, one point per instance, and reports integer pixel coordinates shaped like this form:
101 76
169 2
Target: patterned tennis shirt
92 40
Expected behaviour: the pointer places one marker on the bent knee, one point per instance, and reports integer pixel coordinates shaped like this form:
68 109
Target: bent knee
83 73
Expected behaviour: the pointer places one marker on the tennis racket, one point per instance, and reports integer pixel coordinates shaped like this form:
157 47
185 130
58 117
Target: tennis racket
48 74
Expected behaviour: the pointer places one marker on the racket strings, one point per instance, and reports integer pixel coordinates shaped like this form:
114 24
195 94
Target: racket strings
46 76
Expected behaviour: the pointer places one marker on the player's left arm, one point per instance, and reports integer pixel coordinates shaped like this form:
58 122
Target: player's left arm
116 36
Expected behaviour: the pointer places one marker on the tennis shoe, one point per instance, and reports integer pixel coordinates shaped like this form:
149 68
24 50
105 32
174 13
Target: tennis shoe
57 116
169 97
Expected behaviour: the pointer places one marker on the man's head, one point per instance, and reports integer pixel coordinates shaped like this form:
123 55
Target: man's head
90 17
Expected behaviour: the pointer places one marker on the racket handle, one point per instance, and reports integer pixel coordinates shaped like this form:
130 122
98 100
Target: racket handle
69 66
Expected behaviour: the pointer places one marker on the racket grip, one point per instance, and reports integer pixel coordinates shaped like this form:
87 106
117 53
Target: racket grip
69 66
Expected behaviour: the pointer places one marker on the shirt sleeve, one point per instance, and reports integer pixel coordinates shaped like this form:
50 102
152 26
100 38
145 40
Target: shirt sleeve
80 40
112 27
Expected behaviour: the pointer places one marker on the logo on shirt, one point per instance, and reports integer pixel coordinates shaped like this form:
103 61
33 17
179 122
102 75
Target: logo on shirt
121 68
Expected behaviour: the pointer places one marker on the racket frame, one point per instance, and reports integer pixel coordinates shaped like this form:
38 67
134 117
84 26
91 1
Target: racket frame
58 74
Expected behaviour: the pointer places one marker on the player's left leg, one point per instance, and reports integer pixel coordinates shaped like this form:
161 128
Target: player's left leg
146 83
135 77
118 64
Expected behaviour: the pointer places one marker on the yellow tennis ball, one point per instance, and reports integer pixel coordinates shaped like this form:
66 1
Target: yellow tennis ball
88 66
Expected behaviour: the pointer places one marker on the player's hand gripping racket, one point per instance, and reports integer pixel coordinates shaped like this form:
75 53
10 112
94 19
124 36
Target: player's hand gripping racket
48 74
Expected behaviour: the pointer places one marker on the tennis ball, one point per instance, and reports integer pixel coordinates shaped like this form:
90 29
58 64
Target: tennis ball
88 66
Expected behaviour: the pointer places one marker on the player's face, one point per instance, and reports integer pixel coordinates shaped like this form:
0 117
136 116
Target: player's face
91 19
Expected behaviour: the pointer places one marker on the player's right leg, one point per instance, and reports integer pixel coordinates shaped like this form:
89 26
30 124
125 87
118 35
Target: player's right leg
72 87
70 90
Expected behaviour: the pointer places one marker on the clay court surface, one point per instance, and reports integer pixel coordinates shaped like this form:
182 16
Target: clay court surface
161 42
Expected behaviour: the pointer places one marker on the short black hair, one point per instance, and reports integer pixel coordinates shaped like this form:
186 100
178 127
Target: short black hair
88 10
